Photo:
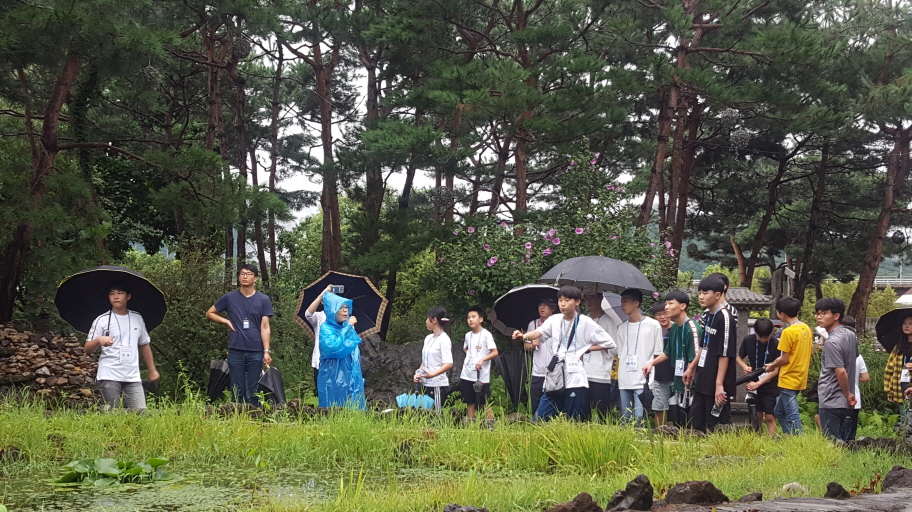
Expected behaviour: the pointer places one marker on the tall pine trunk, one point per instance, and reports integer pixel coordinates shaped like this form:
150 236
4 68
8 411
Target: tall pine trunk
274 152
813 227
258 222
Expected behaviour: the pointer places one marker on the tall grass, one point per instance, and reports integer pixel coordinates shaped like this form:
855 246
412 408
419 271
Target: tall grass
422 462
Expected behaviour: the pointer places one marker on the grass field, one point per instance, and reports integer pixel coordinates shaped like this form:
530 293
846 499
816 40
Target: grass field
418 462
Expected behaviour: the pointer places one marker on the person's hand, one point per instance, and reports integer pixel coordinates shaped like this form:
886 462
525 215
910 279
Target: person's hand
688 377
766 367
908 393
852 400
647 369
267 358
517 335
536 342
353 321
105 341
417 377
230 325
153 375
751 386
721 398
478 366
327 289
909 365
748 369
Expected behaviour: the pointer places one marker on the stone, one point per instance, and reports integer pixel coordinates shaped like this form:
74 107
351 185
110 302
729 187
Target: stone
836 491
86 392
452 507
666 430
695 493
43 371
636 496
582 503
794 488
751 498
898 478
62 381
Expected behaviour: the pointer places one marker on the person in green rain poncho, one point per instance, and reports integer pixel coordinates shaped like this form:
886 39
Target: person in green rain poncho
340 383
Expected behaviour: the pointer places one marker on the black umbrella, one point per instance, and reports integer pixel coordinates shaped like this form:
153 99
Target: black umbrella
515 309
748 377
512 367
218 379
368 303
598 274
889 328
271 385
83 296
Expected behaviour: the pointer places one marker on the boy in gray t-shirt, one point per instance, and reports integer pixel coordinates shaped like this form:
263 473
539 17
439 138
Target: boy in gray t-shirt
837 371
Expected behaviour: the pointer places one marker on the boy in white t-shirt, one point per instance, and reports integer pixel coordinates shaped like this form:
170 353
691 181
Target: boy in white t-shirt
480 349
122 336
639 341
571 336
316 319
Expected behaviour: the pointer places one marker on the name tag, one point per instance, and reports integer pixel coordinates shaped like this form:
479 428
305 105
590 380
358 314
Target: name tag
763 376
703 357
587 357
572 364
679 368
631 363
246 324
904 376
125 355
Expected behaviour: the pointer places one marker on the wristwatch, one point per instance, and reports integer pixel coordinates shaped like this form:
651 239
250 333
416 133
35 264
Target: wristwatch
267 351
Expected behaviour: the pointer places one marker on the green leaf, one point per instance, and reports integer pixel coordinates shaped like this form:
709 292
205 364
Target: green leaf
155 462
104 482
107 467
82 466
145 467
69 478
135 470
163 476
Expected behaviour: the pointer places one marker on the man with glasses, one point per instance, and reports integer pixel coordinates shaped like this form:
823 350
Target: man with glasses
248 347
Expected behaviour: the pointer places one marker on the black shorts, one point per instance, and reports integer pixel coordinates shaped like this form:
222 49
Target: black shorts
469 396
765 402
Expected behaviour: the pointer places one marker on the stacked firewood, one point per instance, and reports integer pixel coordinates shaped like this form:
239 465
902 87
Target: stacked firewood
46 362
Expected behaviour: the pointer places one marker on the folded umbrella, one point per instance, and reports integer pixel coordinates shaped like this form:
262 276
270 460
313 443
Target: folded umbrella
218 379
368 303
747 377
514 310
889 328
512 367
416 400
82 297
598 274
271 385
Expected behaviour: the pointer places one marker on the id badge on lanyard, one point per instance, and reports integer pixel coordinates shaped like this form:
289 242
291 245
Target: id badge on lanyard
703 356
631 363
679 368
904 376
572 364
246 323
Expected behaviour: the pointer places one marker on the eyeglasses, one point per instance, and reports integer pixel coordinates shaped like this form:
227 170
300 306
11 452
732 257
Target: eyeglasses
247 274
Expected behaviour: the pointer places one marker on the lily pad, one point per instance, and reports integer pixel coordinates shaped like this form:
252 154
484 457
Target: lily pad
156 461
107 467
104 482
69 478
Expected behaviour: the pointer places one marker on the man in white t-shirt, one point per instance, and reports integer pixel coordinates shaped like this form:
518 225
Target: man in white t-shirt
571 336
122 336
598 364
316 319
541 352
639 341
480 349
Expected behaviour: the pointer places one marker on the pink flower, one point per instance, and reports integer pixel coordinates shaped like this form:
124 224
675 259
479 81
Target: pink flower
528 245
671 252
655 295
471 292
551 232
651 244
609 187
572 163
613 237
487 247
579 231
471 229
668 245
546 252
455 232
503 224
593 161
556 241
653 255
697 318
492 261
548 237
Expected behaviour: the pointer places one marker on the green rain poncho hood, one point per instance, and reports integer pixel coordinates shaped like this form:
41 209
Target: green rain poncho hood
339 383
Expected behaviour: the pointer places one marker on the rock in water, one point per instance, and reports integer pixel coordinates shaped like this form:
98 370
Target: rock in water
582 503
636 496
751 498
836 491
898 478
695 493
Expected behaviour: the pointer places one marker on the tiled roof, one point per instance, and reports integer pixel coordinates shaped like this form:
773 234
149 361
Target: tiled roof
746 298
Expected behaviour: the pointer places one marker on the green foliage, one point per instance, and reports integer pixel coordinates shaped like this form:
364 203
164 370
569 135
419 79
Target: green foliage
880 303
104 472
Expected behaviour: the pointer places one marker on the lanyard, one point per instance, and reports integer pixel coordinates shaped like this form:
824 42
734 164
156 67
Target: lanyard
637 345
565 333
709 322
757 351
679 346
120 333
475 344
246 304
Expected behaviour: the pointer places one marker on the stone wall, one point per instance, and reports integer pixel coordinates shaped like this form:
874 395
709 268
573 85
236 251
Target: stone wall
48 363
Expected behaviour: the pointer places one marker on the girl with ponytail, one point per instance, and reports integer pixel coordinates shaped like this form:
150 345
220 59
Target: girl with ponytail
436 357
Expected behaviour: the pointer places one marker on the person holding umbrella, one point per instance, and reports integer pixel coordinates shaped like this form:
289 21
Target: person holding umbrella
899 364
122 336
541 353
248 346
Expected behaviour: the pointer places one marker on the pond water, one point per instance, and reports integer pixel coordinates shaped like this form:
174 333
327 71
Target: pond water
198 491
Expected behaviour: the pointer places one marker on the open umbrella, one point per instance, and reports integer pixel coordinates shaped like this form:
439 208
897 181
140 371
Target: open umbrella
515 309
368 303
889 328
84 295
218 379
270 384
598 274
